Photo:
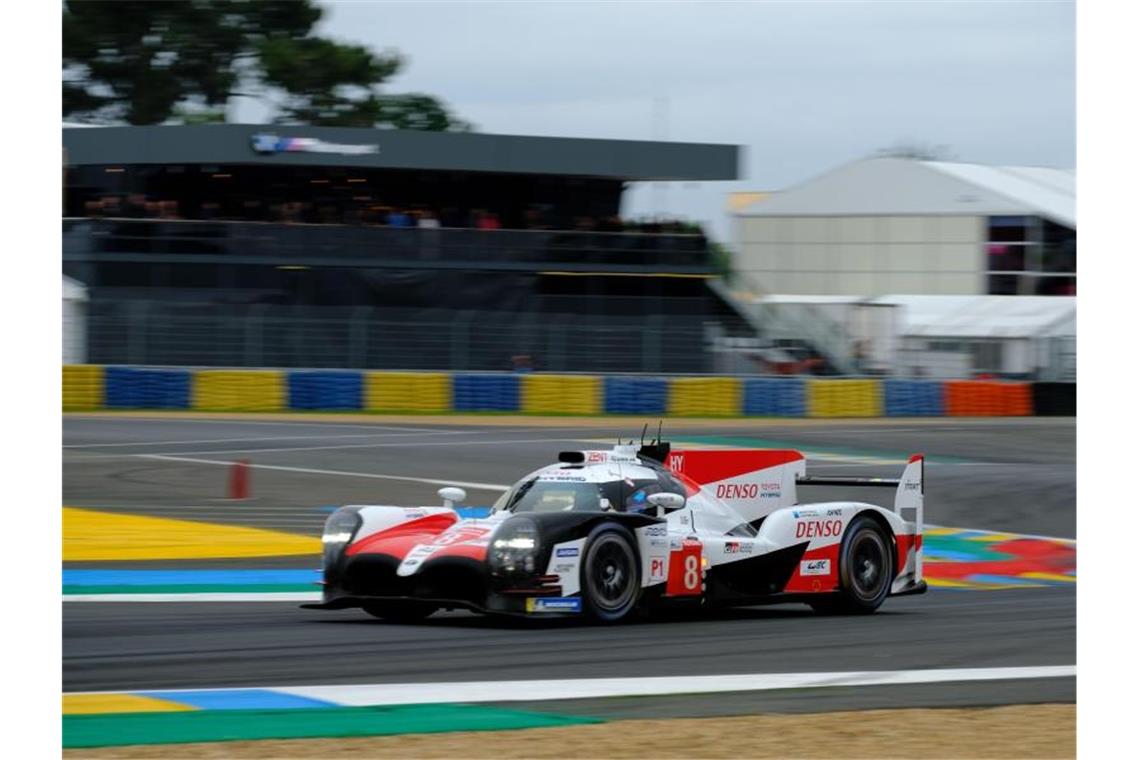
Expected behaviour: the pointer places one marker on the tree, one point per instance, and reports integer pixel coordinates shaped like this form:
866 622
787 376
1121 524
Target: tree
143 62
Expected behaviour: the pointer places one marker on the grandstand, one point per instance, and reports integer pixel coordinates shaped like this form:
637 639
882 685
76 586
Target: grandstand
248 245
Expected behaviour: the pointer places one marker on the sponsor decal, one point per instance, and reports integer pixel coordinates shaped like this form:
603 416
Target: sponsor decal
910 486
566 567
566 551
806 513
554 604
834 513
414 513
819 529
657 568
737 547
461 535
411 562
596 456
655 530
684 519
748 491
676 462
268 144
815 567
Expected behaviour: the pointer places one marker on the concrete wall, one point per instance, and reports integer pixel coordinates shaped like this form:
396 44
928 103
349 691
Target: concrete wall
862 255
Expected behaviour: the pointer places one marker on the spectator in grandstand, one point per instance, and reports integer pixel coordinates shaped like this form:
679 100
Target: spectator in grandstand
488 220
427 220
136 206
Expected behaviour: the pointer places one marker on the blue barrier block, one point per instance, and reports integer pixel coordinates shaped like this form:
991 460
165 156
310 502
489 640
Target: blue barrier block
636 395
485 393
774 396
912 398
145 388
326 389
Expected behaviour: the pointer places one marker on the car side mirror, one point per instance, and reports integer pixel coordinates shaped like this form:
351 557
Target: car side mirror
451 496
666 502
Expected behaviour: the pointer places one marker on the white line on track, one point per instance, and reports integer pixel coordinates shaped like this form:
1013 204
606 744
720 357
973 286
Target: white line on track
342 473
285 449
262 438
368 695
397 444
272 423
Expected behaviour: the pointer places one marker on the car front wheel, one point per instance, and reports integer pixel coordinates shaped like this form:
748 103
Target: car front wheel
610 574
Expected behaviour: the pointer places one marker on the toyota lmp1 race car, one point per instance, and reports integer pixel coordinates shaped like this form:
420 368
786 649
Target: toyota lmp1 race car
611 533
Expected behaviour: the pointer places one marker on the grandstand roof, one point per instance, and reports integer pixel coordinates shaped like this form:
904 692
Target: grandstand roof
261 144
886 186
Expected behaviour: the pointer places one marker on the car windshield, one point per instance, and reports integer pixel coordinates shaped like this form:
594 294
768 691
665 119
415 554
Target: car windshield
536 495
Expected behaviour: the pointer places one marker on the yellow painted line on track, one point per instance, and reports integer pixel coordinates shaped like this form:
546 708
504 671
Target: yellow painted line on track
1050 577
988 537
90 536
95 704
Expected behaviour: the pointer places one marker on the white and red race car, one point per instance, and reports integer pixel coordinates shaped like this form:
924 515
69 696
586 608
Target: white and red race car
608 533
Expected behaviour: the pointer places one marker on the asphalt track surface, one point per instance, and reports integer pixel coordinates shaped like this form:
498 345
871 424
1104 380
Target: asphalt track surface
1007 475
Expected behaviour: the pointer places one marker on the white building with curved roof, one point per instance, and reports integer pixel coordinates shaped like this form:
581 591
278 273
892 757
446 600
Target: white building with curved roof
894 225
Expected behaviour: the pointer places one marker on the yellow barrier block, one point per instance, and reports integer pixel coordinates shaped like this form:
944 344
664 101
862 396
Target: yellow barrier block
96 704
90 536
82 386
407 392
230 390
561 394
705 396
844 398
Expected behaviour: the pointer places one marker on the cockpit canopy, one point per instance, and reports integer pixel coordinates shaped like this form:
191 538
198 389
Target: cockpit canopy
588 489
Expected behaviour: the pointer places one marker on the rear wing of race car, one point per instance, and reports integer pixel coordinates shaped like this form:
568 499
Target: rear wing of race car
909 492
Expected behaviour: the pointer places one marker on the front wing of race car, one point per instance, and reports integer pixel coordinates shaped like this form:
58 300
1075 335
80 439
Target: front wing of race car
511 565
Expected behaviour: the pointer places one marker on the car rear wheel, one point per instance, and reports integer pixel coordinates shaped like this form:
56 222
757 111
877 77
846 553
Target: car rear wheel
400 612
610 574
866 569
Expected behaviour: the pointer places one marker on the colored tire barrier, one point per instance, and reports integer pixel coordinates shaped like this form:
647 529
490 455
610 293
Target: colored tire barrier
705 396
322 389
254 390
486 393
145 388
987 398
1055 399
408 392
636 395
844 398
560 394
913 398
93 387
774 397
82 387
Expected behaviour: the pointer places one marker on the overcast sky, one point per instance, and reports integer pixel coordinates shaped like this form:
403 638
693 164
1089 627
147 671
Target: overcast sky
803 86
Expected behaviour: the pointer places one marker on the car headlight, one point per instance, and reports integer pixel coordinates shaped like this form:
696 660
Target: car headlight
339 530
514 548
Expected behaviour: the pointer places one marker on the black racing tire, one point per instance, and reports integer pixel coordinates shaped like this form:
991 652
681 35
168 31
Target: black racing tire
400 612
866 570
610 574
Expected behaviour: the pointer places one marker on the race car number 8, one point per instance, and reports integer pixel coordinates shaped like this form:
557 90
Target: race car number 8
692 578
